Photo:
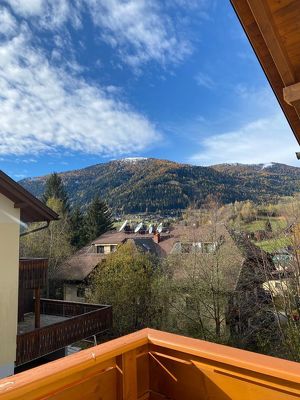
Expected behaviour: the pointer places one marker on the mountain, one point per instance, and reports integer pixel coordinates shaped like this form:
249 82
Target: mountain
151 185
264 181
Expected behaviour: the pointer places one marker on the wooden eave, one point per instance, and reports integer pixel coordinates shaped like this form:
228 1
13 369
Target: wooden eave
273 29
31 208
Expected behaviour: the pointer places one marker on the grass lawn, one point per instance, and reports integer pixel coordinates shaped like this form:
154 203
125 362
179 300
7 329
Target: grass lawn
277 223
272 245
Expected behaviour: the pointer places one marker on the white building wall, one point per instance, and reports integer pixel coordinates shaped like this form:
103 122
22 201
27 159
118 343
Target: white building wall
9 282
70 293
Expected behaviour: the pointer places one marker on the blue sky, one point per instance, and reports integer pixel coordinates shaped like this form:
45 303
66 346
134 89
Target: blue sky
88 81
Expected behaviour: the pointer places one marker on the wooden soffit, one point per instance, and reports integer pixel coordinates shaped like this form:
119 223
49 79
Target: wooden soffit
31 208
273 29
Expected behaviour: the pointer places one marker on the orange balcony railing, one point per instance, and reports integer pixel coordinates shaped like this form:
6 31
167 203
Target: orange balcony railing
155 365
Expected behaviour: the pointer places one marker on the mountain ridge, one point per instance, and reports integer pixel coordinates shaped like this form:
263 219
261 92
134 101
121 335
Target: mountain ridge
136 184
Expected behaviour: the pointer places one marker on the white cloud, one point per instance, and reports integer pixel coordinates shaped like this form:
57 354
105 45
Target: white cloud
263 140
28 7
250 130
139 30
44 108
204 80
47 14
8 24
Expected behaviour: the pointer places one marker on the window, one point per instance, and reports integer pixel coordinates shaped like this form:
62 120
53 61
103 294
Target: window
202 247
209 247
186 248
80 291
197 245
113 248
100 249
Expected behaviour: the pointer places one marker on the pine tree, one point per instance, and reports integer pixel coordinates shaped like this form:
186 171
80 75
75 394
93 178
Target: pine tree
98 219
78 229
268 226
54 188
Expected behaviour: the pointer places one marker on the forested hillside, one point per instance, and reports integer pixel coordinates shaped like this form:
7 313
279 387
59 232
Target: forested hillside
152 185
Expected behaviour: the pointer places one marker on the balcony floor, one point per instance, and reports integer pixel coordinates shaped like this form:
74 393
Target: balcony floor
28 324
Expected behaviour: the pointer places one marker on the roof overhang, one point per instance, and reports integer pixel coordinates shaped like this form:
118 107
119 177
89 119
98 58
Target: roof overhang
31 208
273 29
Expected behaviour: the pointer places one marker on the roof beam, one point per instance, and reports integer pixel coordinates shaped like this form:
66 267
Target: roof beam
264 19
291 95
21 205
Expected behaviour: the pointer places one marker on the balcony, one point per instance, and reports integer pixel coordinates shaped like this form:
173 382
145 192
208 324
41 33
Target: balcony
61 324
45 325
155 365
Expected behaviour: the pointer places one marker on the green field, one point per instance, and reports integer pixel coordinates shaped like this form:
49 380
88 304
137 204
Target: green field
272 245
277 224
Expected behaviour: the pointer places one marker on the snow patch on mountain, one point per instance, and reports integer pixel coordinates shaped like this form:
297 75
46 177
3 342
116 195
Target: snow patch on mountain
134 160
267 165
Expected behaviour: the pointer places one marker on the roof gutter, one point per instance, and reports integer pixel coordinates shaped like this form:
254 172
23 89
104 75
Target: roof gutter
36 229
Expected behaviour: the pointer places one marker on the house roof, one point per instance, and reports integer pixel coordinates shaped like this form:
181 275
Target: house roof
79 266
238 257
83 262
32 209
147 245
273 29
116 237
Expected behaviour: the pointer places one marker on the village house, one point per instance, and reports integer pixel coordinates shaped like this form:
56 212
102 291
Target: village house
74 274
244 267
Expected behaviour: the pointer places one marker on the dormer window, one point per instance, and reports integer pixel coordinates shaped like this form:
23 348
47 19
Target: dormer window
100 249
199 247
106 248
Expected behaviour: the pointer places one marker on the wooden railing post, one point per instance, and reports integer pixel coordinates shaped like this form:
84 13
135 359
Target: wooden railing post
37 308
129 375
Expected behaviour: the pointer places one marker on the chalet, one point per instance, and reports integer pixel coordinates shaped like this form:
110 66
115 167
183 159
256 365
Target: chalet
243 269
244 266
74 275
33 327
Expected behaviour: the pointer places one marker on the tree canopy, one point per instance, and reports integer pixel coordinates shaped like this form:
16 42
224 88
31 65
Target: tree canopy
54 188
98 219
125 281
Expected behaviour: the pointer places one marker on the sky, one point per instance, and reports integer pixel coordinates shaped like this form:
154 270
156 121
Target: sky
89 81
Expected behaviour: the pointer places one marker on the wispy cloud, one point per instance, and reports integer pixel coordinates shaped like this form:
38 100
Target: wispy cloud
205 80
140 31
8 24
45 108
260 141
260 134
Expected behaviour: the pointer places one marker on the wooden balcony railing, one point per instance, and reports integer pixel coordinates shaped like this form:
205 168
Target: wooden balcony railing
33 272
156 365
85 320
66 308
